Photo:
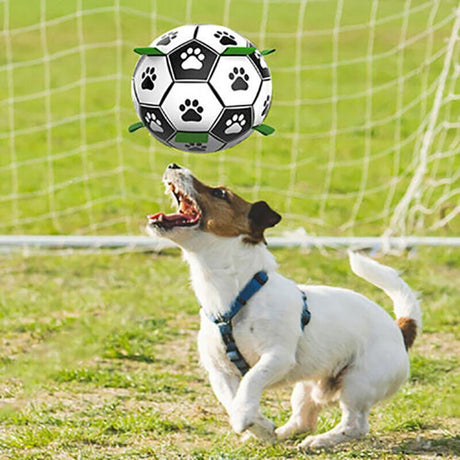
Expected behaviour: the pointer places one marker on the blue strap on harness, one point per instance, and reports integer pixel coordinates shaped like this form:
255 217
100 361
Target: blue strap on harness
306 315
224 322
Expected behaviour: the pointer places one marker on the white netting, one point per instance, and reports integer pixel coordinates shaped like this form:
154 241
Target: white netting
366 107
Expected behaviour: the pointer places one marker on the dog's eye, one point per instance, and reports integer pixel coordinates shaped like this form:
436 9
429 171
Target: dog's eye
220 193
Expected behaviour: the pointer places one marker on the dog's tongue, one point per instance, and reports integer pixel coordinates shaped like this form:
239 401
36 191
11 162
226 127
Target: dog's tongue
156 216
171 219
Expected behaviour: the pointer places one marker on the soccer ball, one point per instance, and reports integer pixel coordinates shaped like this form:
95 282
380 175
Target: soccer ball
197 93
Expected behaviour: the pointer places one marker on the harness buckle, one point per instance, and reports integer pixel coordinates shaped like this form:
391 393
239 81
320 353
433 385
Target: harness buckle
225 329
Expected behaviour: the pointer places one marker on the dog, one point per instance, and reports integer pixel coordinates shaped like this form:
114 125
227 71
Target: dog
348 349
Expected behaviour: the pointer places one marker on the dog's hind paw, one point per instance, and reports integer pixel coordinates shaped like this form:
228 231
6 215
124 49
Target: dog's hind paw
325 440
317 442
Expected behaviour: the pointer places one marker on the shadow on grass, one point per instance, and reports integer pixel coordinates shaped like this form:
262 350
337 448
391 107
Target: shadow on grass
401 446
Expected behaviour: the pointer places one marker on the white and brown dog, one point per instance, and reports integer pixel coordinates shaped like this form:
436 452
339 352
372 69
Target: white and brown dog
351 351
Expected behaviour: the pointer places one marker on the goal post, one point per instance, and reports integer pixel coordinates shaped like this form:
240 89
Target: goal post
366 106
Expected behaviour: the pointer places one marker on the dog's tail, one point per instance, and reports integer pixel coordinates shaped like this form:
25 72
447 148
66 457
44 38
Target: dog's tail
405 303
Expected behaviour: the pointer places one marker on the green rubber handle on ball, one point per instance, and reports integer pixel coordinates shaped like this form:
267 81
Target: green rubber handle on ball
135 126
191 137
238 50
267 52
264 129
149 51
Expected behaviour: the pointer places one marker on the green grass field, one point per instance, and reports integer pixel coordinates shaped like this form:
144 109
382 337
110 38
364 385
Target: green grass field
350 108
99 361
98 357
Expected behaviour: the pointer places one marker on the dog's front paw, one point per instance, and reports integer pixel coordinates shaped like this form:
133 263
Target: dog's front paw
255 423
263 429
241 421
285 431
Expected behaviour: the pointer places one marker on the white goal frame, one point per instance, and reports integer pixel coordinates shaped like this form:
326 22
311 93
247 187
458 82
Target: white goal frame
146 243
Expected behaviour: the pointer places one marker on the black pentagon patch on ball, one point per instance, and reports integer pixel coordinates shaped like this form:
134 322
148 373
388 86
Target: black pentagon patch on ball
256 57
233 123
156 122
192 61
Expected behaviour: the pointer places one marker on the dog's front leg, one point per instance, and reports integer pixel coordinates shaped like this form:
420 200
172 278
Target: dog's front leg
224 387
245 411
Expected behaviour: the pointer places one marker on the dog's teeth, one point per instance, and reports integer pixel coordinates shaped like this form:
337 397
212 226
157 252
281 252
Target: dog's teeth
160 218
170 188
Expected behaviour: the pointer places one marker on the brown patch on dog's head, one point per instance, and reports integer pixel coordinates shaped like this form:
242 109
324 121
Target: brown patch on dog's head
225 213
408 328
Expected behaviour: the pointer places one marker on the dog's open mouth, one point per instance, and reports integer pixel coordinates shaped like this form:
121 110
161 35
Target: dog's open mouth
187 215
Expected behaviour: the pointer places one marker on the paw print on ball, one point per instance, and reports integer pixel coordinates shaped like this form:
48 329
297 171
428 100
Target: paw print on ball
225 38
240 79
266 106
196 147
192 59
167 38
191 110
154 122
148 77
260 63
235 124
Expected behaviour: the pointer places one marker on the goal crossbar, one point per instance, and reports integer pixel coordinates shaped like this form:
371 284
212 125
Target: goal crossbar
145 243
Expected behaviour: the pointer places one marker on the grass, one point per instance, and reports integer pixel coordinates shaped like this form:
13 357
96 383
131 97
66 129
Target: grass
99 360
68 164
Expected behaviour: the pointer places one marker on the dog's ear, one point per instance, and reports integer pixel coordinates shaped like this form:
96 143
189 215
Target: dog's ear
261 216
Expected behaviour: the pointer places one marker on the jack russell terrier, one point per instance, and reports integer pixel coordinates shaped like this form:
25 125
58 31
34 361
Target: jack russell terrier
259 329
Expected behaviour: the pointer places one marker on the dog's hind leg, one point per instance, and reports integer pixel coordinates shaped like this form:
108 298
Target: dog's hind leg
356 395
356 398
304 412
354 425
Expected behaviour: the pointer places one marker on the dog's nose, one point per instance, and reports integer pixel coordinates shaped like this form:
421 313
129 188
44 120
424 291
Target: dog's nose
173 166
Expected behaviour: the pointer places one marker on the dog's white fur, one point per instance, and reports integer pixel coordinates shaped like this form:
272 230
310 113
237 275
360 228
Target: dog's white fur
351 351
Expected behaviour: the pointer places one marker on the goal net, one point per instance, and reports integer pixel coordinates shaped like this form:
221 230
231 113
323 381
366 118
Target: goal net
366 106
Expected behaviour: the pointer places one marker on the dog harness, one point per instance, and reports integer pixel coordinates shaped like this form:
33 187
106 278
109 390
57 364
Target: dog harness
224 322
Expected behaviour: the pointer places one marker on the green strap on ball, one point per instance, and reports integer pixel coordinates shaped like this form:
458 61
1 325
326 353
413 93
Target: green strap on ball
148 51
135 126
238 50
180 136
264 129
191 137
229 51
245 51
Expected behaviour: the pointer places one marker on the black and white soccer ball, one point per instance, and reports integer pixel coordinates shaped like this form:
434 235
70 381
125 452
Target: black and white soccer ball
195 87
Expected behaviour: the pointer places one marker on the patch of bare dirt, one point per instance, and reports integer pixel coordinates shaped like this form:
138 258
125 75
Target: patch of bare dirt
437 345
